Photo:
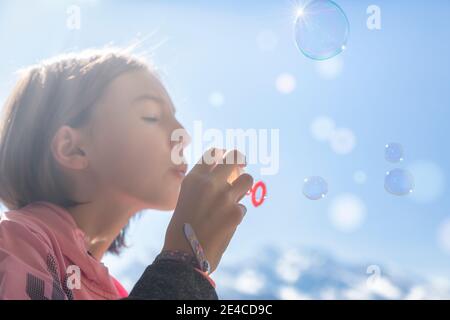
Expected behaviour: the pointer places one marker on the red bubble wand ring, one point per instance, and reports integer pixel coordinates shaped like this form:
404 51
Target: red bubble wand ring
253 191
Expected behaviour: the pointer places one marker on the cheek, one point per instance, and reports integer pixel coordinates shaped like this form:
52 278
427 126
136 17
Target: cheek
134 158
146 175
145 158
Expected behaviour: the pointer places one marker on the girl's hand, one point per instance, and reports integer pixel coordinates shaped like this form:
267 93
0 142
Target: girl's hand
210 205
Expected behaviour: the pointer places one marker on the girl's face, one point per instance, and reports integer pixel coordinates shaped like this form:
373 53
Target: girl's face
130 145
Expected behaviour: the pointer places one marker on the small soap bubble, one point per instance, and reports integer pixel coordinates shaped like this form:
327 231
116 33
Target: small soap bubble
322 128
315 188
347 212
285 83
321 29
342 141
393 152
399 182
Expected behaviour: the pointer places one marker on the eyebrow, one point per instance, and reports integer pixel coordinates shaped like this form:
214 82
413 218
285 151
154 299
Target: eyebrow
157 99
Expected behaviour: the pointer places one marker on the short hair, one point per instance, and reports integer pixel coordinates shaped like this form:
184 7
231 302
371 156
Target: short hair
56 92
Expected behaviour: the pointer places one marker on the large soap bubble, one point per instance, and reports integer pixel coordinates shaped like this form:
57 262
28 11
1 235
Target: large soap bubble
321 29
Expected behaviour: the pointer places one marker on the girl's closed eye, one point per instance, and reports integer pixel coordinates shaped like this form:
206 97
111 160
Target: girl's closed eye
150 119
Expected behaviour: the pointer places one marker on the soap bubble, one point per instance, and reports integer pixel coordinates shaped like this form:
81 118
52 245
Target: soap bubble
321 29
393 152
322 128
399 182
330 69
285 83
315 188
347 212
343 141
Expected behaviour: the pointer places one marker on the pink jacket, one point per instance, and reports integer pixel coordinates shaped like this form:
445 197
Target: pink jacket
43 255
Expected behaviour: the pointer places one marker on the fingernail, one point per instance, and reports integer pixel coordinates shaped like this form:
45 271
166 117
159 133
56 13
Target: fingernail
243 209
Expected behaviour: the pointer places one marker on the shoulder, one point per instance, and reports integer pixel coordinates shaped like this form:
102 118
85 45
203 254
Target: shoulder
24 255
19 230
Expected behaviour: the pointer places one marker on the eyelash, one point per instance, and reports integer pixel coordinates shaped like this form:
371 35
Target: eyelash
150 119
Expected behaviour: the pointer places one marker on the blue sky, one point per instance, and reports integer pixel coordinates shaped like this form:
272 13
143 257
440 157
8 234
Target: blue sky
389 85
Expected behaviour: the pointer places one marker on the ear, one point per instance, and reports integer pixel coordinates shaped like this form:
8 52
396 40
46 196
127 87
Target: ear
66 150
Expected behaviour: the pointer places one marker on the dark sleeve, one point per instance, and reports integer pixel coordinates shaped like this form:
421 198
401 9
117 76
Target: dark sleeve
172 280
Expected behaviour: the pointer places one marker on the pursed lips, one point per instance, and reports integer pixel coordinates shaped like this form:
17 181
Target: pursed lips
180 170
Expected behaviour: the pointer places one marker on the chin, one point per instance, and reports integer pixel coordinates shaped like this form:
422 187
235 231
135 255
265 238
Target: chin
163 199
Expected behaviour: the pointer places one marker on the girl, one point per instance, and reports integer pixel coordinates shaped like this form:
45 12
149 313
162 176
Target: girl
85 145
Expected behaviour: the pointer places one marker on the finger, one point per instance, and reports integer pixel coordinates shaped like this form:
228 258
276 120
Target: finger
209 160
232 160
230 218
243 209
240 186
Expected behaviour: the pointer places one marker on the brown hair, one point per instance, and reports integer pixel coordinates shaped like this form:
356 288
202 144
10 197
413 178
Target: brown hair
56 92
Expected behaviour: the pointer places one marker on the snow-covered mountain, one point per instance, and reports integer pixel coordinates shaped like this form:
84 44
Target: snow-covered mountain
299 273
